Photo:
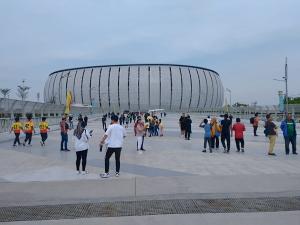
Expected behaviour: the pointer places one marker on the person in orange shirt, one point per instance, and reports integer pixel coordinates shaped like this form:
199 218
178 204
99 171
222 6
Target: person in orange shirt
29 130
44 127
16 128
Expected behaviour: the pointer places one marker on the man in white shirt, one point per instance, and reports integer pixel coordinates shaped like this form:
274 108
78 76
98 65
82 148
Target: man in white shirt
114 135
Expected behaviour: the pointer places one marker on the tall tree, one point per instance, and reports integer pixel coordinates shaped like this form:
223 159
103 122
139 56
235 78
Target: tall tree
23 91
5 92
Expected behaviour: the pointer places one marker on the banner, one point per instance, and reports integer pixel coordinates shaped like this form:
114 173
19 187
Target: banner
68 102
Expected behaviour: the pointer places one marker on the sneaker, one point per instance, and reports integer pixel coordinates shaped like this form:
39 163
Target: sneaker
14 145
295 153
84 172
117 174
224 151
24 144
104 175
243 150
204 150
143 149
77 172
272 154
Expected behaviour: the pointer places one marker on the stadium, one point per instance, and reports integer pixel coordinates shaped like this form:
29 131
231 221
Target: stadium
137 87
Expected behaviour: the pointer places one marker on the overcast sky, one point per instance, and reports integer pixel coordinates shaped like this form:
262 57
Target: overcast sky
244 41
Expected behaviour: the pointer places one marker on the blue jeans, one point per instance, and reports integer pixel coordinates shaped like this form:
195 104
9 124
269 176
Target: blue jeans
64 140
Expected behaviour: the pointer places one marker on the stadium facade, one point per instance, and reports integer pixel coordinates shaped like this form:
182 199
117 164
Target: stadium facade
137 87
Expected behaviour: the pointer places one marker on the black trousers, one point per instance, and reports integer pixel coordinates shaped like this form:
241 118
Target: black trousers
187 134
255 130
81 155
215 140
44 137
225 137
108 154
104 125
239 143
287 141
17 138
28 138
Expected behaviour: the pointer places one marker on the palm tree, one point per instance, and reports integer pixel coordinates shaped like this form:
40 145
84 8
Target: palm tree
23 91
5 92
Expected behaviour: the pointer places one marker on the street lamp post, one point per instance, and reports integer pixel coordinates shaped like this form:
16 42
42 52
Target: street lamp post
285 79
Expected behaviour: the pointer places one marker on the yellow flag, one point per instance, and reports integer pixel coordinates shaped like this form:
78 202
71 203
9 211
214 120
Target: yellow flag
68 102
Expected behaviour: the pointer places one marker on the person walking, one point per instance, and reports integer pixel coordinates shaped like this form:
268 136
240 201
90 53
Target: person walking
16 128
71 121
64 127
225 133
182 124
161 128
207 134
29 130
139 132
271 133
115 135
104 122
215 133
188 127
44 127
82 136
255 123
238 128
288 127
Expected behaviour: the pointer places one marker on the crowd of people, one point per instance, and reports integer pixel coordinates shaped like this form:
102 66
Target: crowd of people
149 125
222 130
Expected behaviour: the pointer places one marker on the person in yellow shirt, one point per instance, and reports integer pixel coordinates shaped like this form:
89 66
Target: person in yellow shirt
44 127
29 130
16 128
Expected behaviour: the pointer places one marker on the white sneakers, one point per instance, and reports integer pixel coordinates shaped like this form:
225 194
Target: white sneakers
106 175
82 172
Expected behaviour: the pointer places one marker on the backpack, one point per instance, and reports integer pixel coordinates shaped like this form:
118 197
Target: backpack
266 130
252 120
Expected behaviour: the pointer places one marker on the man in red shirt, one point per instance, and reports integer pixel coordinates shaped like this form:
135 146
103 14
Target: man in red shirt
239 129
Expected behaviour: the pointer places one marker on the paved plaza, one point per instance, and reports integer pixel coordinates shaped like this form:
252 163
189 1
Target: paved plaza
170 168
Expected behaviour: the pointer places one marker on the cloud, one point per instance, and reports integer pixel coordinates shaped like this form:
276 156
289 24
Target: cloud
233 37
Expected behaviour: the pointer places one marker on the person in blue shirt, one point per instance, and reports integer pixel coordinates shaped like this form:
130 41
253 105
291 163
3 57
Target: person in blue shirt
288 127
207 134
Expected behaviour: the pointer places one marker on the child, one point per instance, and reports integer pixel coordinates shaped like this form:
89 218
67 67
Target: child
44 127
29 130
239 129
16 128
207 134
